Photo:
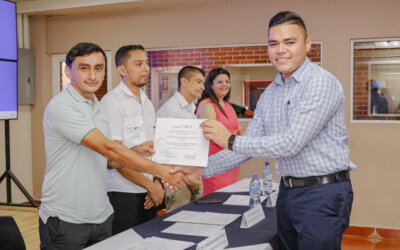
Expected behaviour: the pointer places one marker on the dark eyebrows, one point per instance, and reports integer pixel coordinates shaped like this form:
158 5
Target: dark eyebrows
285 40
88 65
290 39
140 60
271 41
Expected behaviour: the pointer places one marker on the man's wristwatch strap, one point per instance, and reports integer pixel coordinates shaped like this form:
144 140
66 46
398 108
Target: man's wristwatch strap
231 141
155 178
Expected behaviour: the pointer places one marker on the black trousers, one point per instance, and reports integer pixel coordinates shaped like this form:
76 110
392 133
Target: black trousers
129 210
59 234
313 217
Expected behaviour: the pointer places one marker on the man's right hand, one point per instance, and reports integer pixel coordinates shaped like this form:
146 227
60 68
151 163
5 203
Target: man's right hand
191 172
174 180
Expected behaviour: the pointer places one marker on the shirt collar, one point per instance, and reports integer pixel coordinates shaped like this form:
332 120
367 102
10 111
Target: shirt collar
183 102
297 75
78 97
126 90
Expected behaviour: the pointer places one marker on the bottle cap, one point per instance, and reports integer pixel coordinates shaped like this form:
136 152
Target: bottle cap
267 163
254 176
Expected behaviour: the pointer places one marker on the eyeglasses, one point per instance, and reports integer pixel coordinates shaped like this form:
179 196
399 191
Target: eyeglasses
220 82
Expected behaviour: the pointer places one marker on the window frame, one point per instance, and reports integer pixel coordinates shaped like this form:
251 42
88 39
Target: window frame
352 98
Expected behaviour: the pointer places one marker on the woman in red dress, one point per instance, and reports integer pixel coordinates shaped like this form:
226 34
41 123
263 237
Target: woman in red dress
214 105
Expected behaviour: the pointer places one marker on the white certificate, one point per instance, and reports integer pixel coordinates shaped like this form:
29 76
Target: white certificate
180 142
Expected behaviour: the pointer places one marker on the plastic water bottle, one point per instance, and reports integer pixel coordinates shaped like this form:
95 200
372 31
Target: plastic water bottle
267 180
254 192
374 109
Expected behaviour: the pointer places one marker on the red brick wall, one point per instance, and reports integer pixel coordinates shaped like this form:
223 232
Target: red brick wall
361 83
209 58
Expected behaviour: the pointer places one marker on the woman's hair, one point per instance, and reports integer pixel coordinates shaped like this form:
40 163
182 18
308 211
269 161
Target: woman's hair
208 92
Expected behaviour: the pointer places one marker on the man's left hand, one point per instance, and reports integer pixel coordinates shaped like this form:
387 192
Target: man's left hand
149 202
216 131
146 149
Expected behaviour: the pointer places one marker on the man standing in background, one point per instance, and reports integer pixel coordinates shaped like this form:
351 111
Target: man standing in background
181 105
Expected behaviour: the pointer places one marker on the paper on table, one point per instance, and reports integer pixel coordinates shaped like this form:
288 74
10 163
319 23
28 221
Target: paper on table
180 142
203 217
193 229
221 218
264 246
240 200
240 186
156 243
119 241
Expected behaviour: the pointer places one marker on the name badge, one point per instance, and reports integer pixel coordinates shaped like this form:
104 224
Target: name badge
216 242
252 217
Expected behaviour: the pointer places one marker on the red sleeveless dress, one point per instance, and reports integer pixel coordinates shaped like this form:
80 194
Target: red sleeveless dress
232 124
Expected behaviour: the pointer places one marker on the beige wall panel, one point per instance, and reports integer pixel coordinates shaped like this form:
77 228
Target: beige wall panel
43 94
20 154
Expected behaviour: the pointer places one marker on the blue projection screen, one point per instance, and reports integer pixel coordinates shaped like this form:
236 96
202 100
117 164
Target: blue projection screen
8 31
8 61
8 86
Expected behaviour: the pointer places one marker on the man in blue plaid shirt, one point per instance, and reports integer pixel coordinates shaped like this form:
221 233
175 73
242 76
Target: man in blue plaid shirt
299 120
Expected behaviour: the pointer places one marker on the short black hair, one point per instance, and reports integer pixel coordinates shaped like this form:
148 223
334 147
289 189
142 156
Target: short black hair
209 93
122 53
83 49
187 72
287 17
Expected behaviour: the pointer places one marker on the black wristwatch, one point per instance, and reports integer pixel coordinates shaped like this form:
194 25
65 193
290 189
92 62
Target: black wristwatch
231 141
155 178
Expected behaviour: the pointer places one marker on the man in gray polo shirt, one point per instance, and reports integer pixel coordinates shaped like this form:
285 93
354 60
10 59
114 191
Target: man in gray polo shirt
75 211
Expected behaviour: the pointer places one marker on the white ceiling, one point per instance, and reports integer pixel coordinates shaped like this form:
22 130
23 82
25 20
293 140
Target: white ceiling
77 7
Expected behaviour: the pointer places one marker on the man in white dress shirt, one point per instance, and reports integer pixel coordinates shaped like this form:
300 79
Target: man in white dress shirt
133 195
182 105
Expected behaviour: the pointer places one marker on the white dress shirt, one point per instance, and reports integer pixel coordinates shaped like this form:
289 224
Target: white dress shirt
177 107
132 121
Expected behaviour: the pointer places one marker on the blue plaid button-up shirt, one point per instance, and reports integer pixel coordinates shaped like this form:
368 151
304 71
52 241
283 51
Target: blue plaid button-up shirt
300 122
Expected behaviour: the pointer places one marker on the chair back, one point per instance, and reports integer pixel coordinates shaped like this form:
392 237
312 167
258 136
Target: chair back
10 236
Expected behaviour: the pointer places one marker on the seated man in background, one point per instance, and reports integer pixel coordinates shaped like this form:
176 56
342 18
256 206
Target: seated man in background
75 211
133 195
379 103
181 105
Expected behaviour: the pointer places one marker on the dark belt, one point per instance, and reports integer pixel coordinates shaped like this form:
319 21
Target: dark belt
293 182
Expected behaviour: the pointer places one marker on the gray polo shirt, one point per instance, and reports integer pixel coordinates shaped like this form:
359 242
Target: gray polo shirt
74 186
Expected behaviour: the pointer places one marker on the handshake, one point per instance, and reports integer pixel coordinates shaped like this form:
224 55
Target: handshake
173 177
